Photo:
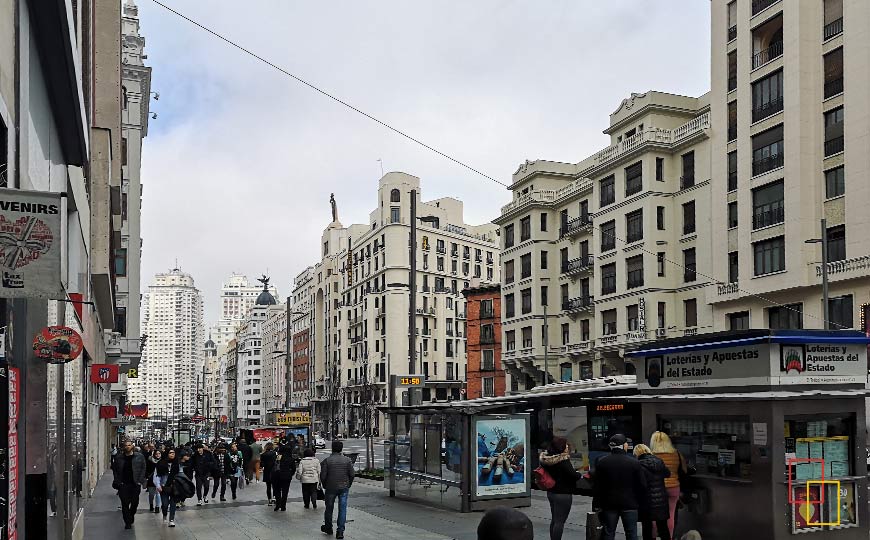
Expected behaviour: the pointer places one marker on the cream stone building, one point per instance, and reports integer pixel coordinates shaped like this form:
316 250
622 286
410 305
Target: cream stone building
275 357
789 81
695 218
302 374
360 303
609 244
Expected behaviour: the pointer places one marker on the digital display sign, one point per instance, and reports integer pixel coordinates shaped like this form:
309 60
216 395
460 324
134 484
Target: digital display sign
410 381
610 407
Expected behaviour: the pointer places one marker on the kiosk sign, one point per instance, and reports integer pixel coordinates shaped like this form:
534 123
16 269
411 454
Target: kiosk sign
756 365
30 244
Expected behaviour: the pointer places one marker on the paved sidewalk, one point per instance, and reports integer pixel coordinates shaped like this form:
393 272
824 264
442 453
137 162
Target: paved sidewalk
372 515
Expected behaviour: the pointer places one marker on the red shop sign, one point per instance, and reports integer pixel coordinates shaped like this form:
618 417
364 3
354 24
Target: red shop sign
57 344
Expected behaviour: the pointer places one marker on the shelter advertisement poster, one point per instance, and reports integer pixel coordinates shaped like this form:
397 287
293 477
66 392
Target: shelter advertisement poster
501 456
30 244
571 423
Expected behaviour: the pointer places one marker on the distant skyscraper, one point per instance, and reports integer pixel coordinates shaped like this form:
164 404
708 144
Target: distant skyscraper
238 296
173 355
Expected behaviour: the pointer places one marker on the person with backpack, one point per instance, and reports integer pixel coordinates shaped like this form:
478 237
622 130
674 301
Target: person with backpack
285 466
557 464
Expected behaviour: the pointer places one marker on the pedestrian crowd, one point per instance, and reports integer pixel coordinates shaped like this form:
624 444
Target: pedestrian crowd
173 474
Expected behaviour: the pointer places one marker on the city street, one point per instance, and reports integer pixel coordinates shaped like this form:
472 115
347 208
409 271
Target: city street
371 515
357 446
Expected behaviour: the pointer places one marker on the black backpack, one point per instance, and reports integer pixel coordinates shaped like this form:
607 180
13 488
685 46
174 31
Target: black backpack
182 486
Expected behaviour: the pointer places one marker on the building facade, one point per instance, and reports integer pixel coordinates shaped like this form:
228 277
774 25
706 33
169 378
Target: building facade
789 81
302 373
275 357
360 297
485 374
172 359
237 298
601 255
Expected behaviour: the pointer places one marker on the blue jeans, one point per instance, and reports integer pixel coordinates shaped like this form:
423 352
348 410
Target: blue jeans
609 518
341 494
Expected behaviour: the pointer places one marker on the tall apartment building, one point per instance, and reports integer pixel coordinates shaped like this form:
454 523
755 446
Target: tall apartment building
300 322
485 373
789 80
361 302
173 355
238 296
250 396
604 254
124 342
213 404
275 357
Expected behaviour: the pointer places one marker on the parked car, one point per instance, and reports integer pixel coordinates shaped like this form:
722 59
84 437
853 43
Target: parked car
319 442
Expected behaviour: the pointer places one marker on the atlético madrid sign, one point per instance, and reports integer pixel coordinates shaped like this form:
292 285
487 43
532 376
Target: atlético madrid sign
30 244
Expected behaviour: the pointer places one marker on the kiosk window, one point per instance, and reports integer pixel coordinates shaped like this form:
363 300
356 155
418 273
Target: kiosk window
824 441
717 446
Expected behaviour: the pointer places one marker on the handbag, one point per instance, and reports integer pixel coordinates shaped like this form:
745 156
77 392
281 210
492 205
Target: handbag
584 486
543 479
594 528
321 496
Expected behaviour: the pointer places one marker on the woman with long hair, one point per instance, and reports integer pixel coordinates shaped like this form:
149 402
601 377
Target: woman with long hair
556 461
663 448
267 461
654 507
153 495
162 471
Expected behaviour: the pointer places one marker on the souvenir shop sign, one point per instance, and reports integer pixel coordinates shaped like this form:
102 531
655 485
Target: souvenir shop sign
57 344
30 244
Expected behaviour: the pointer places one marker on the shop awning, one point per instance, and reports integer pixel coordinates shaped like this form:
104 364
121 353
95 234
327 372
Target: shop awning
719 340
600 387
773 395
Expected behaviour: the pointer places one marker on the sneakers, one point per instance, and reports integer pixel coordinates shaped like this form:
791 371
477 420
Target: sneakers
339 535
325 529
199 503
270 502
205 501
164 517
171 523
223 499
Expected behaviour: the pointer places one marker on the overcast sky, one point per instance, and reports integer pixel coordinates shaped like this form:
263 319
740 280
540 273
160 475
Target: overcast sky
239 164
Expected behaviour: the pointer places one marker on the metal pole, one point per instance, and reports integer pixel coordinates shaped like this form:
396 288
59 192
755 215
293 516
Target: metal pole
412 286
546 346
288 362
393 418
825 306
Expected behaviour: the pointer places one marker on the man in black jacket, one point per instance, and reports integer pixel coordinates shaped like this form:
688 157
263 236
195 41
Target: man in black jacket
336 477
619 487
203 465
129 477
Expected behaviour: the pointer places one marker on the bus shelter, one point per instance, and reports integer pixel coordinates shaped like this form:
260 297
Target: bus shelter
772 425
473 454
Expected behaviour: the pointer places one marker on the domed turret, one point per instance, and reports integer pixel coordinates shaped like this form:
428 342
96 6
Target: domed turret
265 298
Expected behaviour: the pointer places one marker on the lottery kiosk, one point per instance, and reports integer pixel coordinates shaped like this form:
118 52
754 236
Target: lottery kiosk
772 425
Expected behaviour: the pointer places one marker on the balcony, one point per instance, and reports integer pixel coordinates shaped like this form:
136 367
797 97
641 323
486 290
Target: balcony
768 163
833 146
608 339
725 289
577 225
766 55
768 217
581 264
635 335
857 266
767 109
581 303
487 339
732 33
760 5
832 29
441 250
487 314
833 87
690 332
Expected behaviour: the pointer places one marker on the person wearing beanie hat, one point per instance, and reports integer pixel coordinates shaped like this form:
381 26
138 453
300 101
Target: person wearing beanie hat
619 488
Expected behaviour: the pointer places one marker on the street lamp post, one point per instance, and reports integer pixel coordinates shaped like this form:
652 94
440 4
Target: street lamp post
824 241
412 287
546 377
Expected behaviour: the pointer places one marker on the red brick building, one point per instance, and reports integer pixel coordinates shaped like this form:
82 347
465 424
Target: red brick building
301 355
486 377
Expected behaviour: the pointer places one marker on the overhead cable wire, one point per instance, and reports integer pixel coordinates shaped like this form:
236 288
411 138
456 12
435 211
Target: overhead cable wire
448 156
328 95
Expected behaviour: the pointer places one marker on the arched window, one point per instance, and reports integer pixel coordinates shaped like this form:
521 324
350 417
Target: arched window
394 196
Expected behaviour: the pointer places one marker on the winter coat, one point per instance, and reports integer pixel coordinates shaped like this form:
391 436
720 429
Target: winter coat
150 465
560 468
655 506
673 463
267 461
246 452
308 471
619 482
285 466
138 468
203 464
336 472
237 461
224 467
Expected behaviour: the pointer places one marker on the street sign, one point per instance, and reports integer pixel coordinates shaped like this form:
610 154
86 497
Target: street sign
410 380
